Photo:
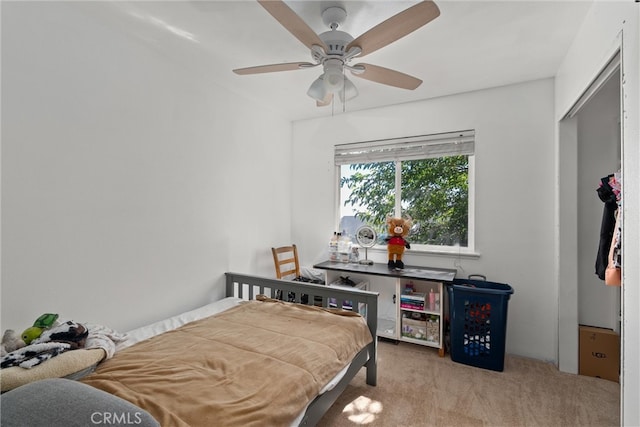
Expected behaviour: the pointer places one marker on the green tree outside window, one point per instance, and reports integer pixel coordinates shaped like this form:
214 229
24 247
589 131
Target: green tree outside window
434 192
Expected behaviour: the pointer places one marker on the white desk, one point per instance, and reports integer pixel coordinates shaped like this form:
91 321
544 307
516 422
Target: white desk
419 323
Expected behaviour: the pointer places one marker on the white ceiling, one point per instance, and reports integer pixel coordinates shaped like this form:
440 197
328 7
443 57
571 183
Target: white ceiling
472 45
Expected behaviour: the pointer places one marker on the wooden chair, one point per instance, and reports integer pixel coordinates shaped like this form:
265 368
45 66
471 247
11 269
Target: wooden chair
286 261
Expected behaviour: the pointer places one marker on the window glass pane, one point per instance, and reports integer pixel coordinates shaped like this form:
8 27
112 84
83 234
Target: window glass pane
435 193
367 195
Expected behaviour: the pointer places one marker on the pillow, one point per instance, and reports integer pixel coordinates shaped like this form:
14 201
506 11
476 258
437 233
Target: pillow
67 403
72 364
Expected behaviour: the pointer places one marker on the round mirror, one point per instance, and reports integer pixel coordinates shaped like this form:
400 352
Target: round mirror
366 237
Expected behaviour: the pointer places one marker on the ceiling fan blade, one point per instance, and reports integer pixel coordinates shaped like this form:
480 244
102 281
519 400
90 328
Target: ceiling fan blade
386 76
396 27
326 101
292 22
273 68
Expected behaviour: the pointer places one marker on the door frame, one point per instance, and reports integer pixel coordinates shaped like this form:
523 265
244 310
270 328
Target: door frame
567 212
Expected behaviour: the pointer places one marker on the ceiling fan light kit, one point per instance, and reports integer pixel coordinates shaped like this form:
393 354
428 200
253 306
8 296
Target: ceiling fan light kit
333 75
334 49
317 90
348 92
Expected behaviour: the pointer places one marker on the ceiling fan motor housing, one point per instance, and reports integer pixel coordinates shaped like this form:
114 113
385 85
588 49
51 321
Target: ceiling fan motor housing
336 42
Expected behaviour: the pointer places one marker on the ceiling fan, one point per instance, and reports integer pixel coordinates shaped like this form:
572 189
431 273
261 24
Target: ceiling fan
335 49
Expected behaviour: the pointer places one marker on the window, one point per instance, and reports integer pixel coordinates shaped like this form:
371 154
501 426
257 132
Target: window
429 178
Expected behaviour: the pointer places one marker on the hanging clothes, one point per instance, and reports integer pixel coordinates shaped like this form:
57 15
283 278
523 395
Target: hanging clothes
607 193
613 273
615 183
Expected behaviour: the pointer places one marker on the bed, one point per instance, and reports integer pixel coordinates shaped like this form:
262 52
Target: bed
262 361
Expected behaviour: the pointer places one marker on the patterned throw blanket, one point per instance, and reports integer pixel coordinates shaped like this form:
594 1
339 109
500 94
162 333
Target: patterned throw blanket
61 338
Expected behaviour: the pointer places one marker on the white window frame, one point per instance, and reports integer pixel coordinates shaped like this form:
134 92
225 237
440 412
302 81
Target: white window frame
408 148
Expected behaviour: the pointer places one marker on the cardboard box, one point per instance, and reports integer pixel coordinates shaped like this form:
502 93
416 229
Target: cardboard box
599 353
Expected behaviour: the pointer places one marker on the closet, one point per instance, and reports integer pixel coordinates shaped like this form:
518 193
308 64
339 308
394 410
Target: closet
598 155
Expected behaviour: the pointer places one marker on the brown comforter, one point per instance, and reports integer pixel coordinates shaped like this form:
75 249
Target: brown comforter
259 363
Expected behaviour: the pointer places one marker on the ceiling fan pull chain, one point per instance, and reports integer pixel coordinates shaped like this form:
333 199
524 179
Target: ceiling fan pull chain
344 91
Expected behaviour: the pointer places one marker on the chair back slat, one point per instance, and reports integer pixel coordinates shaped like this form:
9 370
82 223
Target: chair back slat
285 259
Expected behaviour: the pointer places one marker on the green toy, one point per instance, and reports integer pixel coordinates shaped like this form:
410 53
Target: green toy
43 322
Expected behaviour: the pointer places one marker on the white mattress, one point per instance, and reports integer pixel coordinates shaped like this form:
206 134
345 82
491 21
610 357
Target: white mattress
146 332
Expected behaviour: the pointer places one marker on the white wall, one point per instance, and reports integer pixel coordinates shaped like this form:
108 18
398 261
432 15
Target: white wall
514 204
130 180
609 25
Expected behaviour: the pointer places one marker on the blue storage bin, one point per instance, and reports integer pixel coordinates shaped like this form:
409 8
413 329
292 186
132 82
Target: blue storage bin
478 321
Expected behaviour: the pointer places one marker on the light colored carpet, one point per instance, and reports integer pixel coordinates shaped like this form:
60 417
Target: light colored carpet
418 388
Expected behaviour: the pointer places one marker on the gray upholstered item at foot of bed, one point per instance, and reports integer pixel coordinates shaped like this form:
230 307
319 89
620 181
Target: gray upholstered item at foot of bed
66 403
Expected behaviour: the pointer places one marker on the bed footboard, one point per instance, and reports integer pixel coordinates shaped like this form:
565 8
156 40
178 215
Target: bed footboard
248 287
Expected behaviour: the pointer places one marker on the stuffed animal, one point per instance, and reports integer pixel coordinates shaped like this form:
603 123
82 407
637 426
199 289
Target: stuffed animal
43 322
11 341
398 229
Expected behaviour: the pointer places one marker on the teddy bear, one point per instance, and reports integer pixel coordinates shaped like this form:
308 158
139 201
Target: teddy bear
398 229
11 341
